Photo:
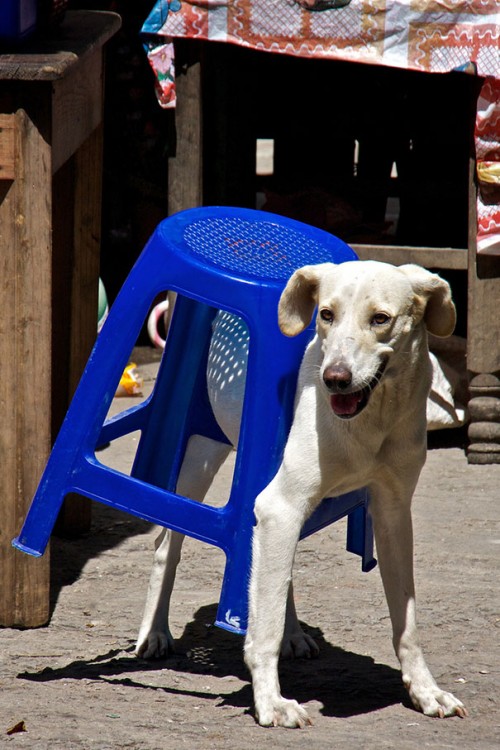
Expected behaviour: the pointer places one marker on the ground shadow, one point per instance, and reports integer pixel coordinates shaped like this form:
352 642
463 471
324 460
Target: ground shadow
346 683
455 437
110 527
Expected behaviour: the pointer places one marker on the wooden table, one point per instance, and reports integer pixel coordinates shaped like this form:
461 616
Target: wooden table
215 155
51 105
216 151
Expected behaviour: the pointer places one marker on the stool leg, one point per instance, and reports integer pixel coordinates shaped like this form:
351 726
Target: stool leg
360 537
267 415
201 463
82 425
232 612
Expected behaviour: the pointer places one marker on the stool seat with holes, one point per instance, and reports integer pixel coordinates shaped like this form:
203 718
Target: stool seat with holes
230 259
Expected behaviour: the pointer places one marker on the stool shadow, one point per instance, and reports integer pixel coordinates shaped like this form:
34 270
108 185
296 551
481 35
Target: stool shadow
346 683
110 527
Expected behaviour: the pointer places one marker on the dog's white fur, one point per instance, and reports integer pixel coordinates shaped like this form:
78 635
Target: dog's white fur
372 324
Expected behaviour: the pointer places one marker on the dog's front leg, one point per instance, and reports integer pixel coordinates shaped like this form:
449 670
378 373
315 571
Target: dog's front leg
275 539
202 460
394 538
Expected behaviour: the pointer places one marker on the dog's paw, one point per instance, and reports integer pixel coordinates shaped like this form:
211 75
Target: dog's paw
433 701
157 644
298 645
283 713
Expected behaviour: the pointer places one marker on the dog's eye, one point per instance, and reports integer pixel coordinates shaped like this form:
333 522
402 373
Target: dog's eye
326 315
380 319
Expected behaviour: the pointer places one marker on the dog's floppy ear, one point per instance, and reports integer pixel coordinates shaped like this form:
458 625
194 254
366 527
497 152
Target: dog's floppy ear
433 297
299 298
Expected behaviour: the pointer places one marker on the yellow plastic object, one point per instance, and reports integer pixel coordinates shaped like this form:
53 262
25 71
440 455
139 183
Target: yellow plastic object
131 383
489 171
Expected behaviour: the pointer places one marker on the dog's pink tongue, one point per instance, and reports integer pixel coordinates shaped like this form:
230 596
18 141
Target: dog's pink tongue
346 403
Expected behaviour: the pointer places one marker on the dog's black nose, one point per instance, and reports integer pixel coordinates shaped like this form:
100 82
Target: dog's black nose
337 377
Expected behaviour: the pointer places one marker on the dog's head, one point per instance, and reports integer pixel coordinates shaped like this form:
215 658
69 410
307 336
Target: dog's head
366 313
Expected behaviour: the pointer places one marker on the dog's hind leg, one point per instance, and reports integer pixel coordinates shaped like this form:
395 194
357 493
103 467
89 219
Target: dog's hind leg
296 644
155 640
394 538
202 461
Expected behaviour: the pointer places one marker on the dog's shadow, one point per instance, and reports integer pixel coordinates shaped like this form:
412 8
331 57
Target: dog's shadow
346 683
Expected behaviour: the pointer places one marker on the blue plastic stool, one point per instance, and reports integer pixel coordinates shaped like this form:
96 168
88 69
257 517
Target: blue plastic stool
214 258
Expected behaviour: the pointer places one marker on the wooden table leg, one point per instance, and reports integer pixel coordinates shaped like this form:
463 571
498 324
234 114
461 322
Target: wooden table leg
483 347
483 360
185 171
214 155
25 302
78 188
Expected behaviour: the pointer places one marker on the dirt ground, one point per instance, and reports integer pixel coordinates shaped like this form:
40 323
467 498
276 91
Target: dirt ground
77 685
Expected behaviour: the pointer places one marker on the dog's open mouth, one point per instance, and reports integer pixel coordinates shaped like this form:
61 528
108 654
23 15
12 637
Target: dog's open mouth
348 405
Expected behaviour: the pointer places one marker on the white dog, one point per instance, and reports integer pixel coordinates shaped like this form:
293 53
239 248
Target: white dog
360 420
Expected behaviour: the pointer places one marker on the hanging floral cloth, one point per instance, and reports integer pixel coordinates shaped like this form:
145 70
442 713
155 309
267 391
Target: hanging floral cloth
160 50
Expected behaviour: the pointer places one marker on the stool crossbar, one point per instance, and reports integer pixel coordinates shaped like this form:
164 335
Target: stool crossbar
214 258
